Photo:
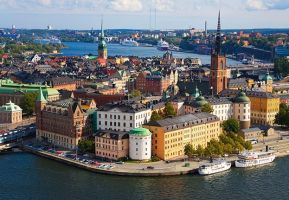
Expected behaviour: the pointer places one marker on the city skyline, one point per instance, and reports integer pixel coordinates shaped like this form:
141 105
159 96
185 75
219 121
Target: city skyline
140 14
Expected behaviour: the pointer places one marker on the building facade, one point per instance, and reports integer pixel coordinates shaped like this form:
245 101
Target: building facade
10 113
140 143
63 123
242 110
111 145
122 116
169 136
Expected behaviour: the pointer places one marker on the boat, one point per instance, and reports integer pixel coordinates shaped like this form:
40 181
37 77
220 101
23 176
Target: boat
163 45
129 43
49 40
215 166
250 159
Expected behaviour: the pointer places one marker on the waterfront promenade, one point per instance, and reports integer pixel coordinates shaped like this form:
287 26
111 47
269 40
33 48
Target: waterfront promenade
160 168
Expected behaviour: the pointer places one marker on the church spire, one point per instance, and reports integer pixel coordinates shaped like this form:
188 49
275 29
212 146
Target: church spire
102 33
40 96
218 37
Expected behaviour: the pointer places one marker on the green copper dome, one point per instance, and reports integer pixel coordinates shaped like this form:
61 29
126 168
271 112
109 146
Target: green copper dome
242 98
196 93
200 101
267 77
140 132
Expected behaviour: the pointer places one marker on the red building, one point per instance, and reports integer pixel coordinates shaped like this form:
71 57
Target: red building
100 99
154 83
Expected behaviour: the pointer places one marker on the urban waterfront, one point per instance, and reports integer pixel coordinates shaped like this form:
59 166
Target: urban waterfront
82 48
26 176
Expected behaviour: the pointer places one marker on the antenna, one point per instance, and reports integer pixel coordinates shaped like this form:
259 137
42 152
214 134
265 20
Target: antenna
150 19
155 19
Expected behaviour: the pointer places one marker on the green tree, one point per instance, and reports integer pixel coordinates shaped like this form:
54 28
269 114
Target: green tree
282 117
169 110
189 150
136 93
207 108
28 102
231 126
200 151
156 116
281 66
86 146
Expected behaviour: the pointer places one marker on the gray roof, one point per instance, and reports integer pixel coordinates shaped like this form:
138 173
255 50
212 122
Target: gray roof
110 134
218 101
125 106
184 121
249 93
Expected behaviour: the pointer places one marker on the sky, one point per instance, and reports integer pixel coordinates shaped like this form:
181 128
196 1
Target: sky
140 14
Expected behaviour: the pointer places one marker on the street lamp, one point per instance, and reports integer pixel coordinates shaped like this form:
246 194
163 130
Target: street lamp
212 91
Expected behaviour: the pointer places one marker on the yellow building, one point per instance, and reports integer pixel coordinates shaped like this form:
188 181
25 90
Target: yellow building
169 136
264 107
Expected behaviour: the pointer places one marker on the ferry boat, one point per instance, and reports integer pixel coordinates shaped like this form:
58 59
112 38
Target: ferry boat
129 43
250 159
214 167
163 45
49 40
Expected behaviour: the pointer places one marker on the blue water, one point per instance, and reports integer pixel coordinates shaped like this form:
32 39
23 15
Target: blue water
27 177
81 48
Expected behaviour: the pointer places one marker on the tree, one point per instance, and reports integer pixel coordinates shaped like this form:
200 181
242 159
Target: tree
231 126
189 150
28 102
156 116
282 117
281 66
136 93
200 150
207 108
86 146
169 110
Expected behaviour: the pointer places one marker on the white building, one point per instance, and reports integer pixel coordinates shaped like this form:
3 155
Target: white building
242 110
122 116
223 108
140 142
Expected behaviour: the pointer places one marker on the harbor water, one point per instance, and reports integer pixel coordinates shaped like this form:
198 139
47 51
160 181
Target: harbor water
26 176
81 48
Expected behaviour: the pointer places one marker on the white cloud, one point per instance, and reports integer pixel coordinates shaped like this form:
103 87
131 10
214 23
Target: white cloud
267 4
164 5
126 5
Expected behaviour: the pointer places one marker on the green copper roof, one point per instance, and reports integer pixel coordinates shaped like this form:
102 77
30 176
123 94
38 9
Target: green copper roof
102 44
200 101
9 87
242 98
140 132
10 107
196 93
267 77
40 96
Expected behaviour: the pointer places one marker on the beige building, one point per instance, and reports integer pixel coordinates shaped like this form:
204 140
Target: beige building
169 136
111 145
10 113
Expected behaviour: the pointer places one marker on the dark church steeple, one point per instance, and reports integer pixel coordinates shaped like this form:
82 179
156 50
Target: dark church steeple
218 36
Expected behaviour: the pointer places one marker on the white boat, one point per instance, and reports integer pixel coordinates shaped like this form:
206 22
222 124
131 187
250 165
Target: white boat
250 159
163 45
215 167
50 40
129 43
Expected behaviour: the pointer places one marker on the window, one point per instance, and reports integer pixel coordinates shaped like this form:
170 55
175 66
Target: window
105 116
130 125
105 123
136 149
99 123
130 117
99 115
124 124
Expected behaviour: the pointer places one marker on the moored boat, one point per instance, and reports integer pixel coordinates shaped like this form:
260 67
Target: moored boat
163 45
214 167
250 159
